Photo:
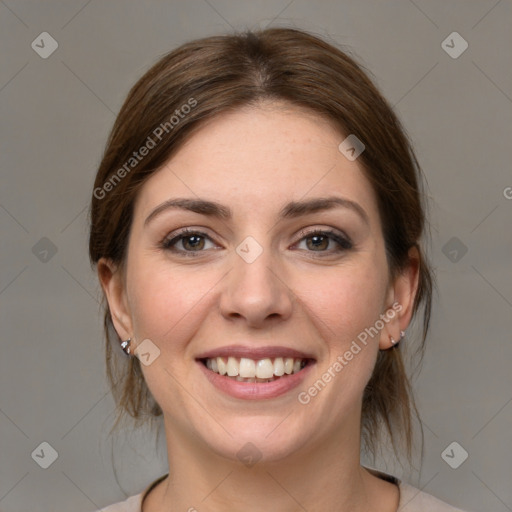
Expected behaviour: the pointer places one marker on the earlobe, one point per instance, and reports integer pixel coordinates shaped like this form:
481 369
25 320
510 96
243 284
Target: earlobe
112 283
402 295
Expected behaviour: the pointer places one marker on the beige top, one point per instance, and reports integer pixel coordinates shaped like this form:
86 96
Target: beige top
411 499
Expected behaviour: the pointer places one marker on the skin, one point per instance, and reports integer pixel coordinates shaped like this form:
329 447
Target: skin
254 160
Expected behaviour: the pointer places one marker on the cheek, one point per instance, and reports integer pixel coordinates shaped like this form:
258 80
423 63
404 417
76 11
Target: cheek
167 302
346 300
347 305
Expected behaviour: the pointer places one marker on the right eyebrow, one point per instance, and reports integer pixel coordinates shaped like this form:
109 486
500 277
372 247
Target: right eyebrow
201 206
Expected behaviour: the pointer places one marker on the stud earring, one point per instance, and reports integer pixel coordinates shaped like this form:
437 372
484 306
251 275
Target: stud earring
125 345
395 342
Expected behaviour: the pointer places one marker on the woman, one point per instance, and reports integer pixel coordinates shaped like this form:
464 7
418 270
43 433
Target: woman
256 223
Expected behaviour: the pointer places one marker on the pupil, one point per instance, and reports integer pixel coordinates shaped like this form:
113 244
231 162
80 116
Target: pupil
195 243
318 238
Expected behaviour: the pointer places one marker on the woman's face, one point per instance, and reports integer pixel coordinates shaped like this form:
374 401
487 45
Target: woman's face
257 281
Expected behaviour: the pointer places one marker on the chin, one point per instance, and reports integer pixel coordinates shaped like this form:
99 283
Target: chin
254 440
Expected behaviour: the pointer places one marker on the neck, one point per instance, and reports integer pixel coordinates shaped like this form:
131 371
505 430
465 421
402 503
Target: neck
322 476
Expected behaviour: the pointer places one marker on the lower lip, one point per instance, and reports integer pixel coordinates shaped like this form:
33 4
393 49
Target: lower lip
254 390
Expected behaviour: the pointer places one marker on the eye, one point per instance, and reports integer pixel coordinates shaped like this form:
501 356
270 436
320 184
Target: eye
191 242
320 240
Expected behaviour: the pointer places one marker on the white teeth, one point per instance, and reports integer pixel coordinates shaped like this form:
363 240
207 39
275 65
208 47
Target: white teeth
265 369
232 367
221 366
250 370
247 368
279 367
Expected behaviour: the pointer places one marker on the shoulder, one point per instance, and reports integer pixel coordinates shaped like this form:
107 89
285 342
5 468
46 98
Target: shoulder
131 504
411 499
415 500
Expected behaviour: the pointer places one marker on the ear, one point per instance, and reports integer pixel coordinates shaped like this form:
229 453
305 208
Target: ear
112 281
401 300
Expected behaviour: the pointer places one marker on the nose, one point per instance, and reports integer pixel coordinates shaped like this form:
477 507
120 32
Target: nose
256 292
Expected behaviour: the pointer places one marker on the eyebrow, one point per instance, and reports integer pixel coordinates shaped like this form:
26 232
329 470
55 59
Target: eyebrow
291 210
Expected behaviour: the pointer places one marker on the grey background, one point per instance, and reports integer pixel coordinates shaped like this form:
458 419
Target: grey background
56 114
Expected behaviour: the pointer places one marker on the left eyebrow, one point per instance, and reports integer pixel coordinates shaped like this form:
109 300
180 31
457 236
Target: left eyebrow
291 210
298 208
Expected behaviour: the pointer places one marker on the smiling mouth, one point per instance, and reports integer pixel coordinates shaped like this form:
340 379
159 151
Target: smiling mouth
243 369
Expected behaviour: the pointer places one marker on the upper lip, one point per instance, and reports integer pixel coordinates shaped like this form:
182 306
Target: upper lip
255 353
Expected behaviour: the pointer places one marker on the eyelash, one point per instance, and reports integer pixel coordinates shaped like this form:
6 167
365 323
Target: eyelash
344 243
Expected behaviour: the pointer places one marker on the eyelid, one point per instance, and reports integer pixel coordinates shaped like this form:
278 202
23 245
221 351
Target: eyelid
326 229
340 237
182 233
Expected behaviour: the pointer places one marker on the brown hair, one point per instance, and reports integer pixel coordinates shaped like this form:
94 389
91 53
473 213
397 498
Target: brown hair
205 77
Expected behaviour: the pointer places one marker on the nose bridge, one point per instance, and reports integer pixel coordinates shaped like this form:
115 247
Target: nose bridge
255 290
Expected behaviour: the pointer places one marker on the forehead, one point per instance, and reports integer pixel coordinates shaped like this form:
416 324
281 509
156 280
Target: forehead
260 157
